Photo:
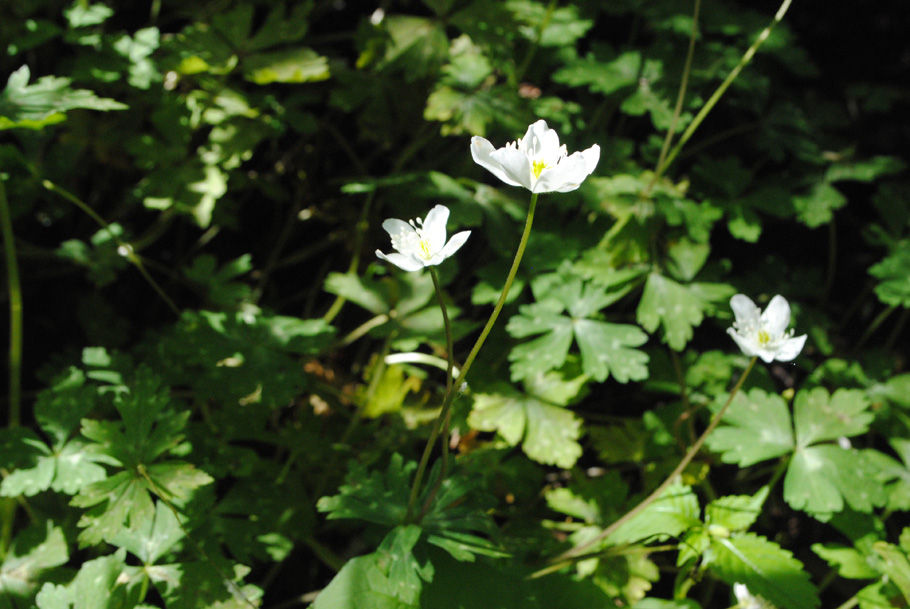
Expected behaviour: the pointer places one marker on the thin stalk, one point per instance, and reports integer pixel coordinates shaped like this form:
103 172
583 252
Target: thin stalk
362 329
449 367
873 326
538 34
14 417
359 231
693 450
505 290
832 258
124 249
450 394
898 328
718 93
851 602
680 97
14 287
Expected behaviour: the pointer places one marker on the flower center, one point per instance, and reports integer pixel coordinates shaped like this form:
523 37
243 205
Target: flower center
424 246
537 168
763 337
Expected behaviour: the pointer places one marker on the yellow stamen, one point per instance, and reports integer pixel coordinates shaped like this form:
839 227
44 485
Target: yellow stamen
763 337
537 167
425 249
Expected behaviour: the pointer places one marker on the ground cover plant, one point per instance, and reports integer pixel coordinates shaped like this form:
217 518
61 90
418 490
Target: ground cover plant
454 304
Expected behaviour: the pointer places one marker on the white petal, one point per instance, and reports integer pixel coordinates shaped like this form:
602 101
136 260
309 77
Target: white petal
746 345
744 309
790 348
515 165
482 153
434 227
592 156
530 142
776 316
406 263
565 177
455 243
394 226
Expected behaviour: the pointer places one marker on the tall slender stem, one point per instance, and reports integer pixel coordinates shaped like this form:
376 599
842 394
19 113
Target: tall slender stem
681 96
8 505
712 101
450 393
690 454
124 249
15 311
449 366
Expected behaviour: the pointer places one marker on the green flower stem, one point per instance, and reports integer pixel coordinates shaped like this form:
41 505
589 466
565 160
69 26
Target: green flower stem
362 329
681 95
718 93
505 290
448 328
15 312
14 288
693 450
125 249
450 393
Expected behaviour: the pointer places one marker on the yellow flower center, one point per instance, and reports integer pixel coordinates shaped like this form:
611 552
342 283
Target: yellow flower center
763 337
537 168
425 249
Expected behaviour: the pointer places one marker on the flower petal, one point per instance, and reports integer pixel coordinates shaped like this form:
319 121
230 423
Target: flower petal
746 345
745 310
482 153
776 317
406 263
455 243
790 348
592 156
394 226
434 227
515 165
565 177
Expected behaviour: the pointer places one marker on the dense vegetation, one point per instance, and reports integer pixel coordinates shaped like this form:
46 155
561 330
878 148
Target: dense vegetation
219 396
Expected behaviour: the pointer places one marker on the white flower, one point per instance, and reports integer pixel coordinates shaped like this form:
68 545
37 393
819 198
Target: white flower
747 601
536 161
764 334
421 243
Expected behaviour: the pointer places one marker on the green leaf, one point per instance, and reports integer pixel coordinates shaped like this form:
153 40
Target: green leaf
548 434
33 551
676 307
849 562
193 585
896 566
605 348
735 512
290 66
894 275
767 569
403 574
817 208
153 538
672 513
362 584
372 496
601 76
819 416
46 102
756 427
866 170
97 585
821 479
